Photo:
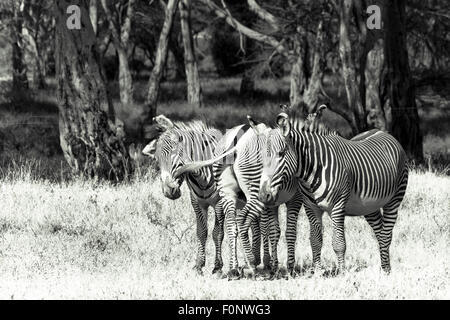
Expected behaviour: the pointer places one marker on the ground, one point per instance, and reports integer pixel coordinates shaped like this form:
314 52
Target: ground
86 240
65 237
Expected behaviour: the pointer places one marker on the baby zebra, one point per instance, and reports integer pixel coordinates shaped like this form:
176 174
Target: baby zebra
180 143
343 177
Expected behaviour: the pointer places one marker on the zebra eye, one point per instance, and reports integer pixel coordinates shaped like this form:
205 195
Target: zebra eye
282 153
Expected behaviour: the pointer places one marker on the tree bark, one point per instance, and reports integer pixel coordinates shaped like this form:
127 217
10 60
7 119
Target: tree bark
306 81
125 78
347 55
160 62
90 136
248 32
299 72
314 88
373 74
120 37
404 122
20 80
93 14
190 61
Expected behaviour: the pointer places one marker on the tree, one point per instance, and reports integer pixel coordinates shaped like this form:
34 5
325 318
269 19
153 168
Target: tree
120 29
90 136
38 27
404 119
11 14
160 61
190 61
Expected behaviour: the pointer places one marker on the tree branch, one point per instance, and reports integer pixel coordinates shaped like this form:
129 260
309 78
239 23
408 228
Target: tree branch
255 35
264 14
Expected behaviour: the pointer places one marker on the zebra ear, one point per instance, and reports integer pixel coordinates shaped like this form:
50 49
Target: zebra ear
259 129
253 123
320 109
285 107
283 124
150 149
164 122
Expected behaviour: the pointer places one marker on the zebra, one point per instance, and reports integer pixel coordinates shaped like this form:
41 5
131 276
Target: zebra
174 144
244 164
343 177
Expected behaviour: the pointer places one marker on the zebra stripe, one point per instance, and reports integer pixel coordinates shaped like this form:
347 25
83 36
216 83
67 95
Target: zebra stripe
344 177
178 144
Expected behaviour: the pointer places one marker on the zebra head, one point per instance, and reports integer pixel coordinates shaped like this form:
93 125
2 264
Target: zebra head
167 149
279 160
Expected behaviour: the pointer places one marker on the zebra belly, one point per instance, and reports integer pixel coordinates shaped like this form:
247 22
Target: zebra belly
358 206
284 196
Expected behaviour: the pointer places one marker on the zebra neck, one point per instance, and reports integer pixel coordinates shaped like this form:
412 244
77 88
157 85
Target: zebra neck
313 154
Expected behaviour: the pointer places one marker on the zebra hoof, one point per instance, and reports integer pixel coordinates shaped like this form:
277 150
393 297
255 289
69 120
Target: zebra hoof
267 268
292 273
198 270
275 274
386 269
217 271
249 273
233 274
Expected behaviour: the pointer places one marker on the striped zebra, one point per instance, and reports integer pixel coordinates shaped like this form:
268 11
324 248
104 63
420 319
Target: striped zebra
343 177
241 148
178 143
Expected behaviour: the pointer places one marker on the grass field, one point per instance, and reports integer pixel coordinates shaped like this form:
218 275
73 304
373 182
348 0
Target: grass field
64 237
86 240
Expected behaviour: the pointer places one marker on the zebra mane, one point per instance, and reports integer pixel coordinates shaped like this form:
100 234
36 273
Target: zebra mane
311 124
193 125
199 126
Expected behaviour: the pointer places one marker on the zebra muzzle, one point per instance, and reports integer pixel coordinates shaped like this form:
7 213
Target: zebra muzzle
267 195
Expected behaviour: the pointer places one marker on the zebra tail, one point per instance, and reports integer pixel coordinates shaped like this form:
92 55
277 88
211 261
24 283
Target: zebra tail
194 166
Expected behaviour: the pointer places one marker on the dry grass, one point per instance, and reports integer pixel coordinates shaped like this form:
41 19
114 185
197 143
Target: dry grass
68 238
85 240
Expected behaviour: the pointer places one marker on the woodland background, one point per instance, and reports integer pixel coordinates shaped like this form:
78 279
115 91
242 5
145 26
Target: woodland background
76 108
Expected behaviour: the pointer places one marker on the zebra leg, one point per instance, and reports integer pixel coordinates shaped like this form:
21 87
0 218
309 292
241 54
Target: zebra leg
243 229
229 208
390 211
375 221
256 241
246 218
202 233
389 219
274 236
293 207
338 238
264 223
218 235
314 215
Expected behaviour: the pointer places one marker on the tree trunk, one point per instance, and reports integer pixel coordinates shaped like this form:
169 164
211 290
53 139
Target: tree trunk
314 87
190 61
346 53
40 72
160 62
121 36
404 122
125 79
373 74
299 72
306 81
20 80
90 136
93 14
